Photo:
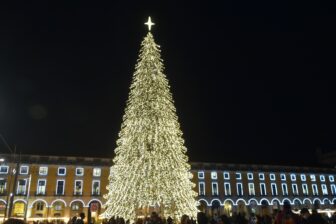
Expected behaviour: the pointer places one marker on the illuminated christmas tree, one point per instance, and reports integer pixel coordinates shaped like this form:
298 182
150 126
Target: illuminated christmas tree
150 168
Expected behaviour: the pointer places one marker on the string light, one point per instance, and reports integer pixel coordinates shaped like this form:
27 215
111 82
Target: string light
151 169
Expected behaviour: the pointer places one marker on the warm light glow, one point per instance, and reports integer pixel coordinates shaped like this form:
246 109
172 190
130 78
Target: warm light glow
149 23
48 218
150 166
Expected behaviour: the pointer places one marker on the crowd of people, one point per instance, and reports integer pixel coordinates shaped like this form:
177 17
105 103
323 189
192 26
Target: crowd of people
286 216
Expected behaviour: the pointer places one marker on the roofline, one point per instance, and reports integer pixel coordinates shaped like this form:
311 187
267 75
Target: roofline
86 160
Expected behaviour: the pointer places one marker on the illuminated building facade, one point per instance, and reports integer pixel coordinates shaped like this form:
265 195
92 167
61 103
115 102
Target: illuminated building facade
228 188
59 187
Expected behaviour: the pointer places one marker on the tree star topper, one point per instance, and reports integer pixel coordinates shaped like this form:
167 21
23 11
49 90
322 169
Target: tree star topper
149 23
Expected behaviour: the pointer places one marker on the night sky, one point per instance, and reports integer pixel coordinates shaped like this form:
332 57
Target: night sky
253 82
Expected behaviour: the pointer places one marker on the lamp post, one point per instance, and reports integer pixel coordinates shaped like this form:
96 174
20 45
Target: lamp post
15 172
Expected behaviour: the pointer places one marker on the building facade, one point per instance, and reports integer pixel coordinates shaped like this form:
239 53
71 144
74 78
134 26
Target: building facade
59 187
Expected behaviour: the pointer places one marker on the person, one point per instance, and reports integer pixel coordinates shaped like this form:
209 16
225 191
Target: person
169 220
224 219
155 219
333 218
253 219
72 220
265 216
184 219
241 218
81 219
316 218
202 218
304 215
14 221
286 216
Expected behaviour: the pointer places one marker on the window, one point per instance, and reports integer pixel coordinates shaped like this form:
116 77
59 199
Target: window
61 171
58 206
96 172
331 178
312 177
333 189
305 189
227 189
250 176
214 175
283 176
21 188
60 187
214 186
79 171
315 190
251 189
303 177
293 177
75 206
3 169
261 176
3 186
272 176
96 187
284 189
24 169
274 189
263 189
240 189
295 189
78 187
226 175
324 189
238 176
39 206
322 178
200 175
41 187
43 170
201 188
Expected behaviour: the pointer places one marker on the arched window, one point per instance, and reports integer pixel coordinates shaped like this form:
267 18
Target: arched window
39 206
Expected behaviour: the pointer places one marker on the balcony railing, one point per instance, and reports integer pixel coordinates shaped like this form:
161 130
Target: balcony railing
40 193
20 193
78 193
59 193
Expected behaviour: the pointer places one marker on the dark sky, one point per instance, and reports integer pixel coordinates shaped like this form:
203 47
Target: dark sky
252 81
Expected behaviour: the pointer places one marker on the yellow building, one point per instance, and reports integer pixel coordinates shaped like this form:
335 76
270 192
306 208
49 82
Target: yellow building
52 187
59 187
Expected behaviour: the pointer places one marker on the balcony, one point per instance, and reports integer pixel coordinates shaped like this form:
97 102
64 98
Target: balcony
40 193
95 194
20 193
78 193
59 193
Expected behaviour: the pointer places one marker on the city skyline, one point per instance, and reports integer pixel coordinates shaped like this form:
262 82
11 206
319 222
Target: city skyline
247 88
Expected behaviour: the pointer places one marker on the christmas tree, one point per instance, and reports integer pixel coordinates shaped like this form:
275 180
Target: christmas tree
150 168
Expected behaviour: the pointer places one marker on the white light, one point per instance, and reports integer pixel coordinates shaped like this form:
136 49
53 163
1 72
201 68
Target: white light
149 23
2 160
